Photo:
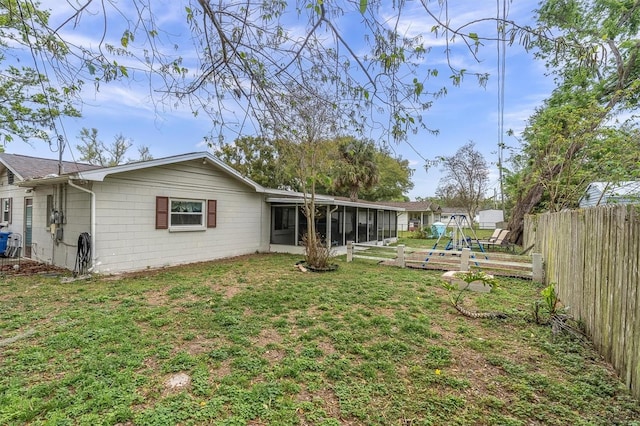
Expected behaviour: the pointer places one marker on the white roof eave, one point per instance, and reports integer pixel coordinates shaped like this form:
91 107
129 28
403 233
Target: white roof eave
323 200
32 183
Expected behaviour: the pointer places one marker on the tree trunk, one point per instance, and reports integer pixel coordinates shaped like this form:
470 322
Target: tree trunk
353 194
534 195
523 207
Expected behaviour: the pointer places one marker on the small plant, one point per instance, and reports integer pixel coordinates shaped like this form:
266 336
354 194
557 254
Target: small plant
421 234
550 310
469 277
547 307
550 299
416 235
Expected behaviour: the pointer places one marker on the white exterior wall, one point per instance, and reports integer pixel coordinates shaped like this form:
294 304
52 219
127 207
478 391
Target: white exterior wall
74 205
17 196
403 221
126 238
488 219
592 196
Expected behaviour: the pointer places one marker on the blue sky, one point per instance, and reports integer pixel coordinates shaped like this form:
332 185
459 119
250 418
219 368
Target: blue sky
466 113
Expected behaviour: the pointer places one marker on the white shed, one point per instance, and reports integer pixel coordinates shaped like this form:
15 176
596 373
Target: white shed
488 219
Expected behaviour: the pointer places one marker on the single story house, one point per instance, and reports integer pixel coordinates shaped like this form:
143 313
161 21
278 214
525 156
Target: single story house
416 215
598 193
168 211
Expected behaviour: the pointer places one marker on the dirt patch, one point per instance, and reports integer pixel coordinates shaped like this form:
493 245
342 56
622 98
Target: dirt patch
228 290
274 356
327 348
157 297
268 336
200 345
29 267
327 400
473 366
222 371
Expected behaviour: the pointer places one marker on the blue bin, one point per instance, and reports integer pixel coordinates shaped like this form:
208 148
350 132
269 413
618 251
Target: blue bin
438 229
4 237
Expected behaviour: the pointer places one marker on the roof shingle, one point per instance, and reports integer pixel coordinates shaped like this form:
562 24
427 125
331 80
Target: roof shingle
26 167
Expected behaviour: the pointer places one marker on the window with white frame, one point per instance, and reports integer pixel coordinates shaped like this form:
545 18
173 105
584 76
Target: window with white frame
6 210
187 214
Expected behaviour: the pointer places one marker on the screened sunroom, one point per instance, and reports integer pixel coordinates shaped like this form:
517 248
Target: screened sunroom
337 221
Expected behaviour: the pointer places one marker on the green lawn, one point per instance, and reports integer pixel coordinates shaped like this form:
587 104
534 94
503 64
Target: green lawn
264 343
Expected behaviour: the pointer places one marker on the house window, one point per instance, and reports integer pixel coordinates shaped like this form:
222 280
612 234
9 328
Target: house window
10 177
185 214
6 210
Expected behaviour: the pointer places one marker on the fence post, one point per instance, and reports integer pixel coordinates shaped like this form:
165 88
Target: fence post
400 260
538 270
464 259
349 251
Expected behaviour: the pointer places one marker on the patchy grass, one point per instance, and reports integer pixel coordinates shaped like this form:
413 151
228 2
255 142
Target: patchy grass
263 343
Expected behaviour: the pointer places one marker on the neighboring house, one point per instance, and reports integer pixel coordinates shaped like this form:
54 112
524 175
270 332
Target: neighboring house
416 215
168 211
598 193
489 219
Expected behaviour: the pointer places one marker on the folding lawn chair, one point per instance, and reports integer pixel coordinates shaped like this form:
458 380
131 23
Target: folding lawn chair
499 241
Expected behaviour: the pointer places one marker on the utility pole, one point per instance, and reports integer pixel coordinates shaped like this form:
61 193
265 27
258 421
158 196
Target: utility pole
60 151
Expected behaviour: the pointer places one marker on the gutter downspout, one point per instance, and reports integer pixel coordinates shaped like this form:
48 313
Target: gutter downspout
93 220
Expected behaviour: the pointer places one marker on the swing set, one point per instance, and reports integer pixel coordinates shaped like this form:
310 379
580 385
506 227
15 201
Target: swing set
457 237
458 240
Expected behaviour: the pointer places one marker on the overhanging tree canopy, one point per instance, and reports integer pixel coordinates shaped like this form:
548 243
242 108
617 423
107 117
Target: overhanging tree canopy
242 56
596 63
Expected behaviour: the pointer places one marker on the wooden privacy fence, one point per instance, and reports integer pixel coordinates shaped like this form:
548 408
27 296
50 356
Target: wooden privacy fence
450 260
592 256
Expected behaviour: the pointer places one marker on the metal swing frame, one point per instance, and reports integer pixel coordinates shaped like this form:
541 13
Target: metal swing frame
458 240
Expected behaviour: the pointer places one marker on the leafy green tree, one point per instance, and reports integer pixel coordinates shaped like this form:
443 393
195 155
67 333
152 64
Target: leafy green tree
29 103
252 53
258 158
597 153
596 65
308 123
94 151
262 160
394 180
355 168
